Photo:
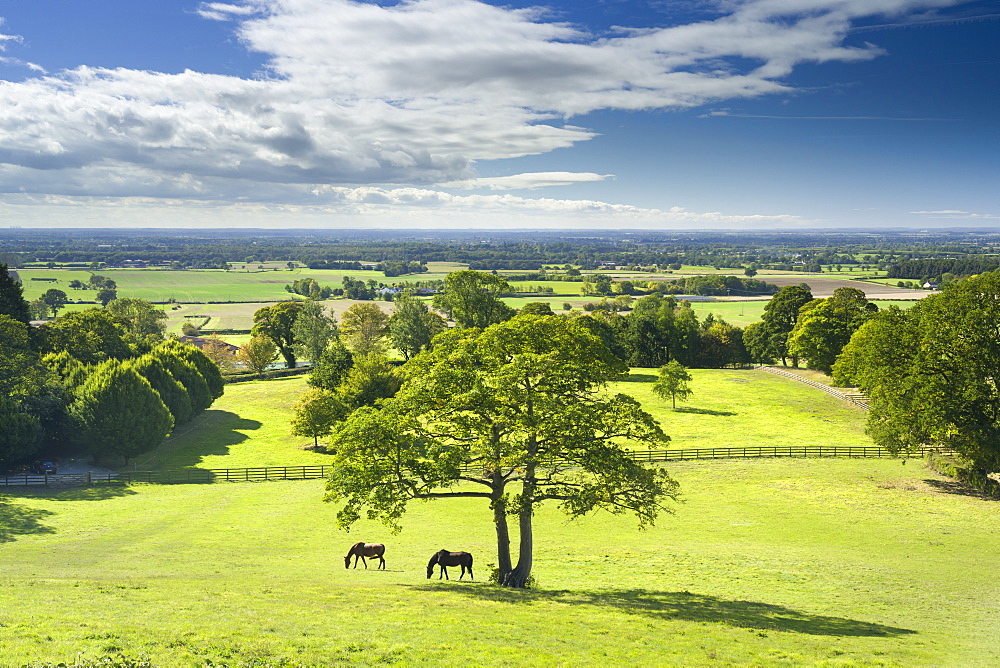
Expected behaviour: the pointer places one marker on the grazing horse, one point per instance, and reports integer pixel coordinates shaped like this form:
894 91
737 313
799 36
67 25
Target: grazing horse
444 558
362 550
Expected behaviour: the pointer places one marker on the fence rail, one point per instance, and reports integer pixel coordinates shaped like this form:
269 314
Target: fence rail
203 476
856 398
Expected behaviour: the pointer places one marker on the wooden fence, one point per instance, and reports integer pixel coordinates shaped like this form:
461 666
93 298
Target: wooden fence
195 476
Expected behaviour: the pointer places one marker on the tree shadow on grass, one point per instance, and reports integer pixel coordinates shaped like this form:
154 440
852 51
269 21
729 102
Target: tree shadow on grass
639 378
685 606
101 492
958 488
216 431
17 520
702 411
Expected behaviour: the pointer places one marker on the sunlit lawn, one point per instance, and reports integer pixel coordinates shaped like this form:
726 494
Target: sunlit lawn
766 562
828 562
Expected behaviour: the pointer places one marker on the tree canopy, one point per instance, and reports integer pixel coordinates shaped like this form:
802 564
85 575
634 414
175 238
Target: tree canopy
277 323
930 372
472 298
516 415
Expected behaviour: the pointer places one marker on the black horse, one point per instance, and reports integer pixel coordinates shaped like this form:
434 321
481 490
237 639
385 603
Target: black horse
444 558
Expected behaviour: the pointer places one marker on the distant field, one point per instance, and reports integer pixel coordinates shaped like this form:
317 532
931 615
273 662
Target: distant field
240 316
202 286
768 562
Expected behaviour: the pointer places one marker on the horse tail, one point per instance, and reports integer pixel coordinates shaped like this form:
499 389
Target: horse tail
470 560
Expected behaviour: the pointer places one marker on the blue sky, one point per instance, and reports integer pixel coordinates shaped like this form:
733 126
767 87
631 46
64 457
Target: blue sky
603 114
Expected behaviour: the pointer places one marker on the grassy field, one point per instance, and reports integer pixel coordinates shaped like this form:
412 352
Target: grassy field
248 426
201 286
768 562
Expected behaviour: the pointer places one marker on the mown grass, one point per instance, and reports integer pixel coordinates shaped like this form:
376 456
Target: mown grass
767 562
746 408
249 425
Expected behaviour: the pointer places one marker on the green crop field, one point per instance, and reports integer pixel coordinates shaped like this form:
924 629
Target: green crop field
202 285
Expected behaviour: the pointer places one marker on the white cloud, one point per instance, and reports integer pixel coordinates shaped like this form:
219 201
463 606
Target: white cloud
527 181
371 207
954 214
413 93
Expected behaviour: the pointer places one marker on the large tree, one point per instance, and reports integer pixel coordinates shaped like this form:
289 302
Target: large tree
824 327
930 373
780 315
141 322
413 325
91 336
277 322
313 330
517 415
334 364
364 327
472 298
12 300
118 414
22 378
55 299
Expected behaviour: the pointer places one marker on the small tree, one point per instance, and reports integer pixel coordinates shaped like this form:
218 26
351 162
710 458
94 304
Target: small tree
55 299
106 296
221 353
316 413
364 326
257 354
333 366
673 382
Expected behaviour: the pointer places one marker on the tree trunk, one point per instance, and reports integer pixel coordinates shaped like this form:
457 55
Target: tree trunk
519 576
503 539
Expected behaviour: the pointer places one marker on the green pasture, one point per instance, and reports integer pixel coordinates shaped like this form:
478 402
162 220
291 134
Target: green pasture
767 562
201 285
249 425
731 408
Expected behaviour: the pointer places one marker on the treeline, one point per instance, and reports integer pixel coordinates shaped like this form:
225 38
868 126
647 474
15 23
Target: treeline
103 381
718 285
495 250
934 269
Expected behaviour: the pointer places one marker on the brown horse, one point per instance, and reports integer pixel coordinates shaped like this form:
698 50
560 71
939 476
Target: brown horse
444 558
362 550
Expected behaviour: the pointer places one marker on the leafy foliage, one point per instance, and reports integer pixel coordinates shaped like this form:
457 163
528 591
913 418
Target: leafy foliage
364 327
316 413
673 382
257 354
413 326
333 366
931 372
276 322
472 298
118 413
514 411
